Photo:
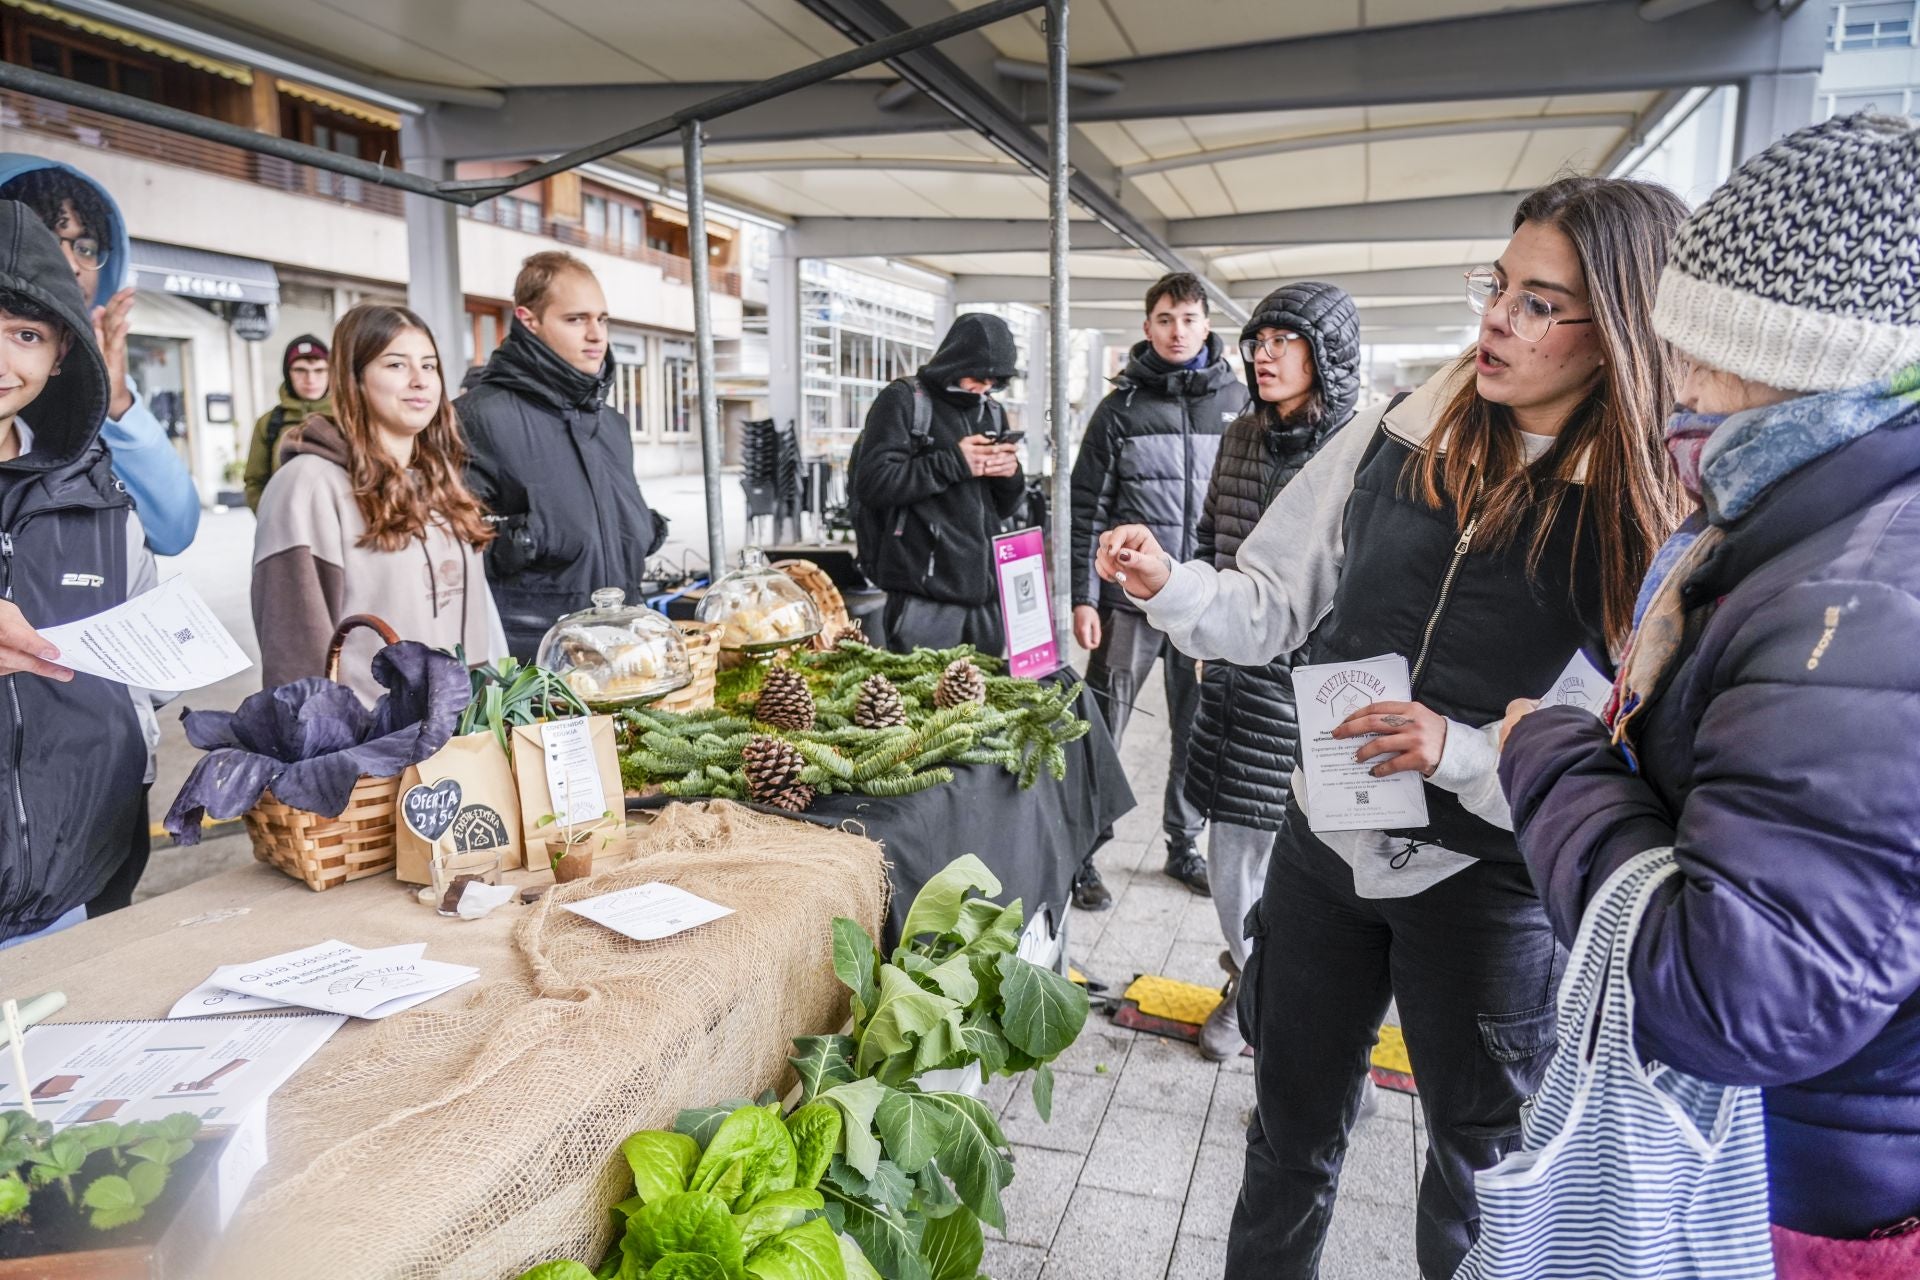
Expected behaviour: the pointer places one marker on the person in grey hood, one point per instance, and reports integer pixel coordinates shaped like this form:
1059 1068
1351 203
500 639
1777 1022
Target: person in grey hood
72 749
1302 353
936 494
1148 449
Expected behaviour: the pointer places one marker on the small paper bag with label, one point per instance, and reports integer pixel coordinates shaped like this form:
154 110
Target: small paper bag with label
488 817
570 769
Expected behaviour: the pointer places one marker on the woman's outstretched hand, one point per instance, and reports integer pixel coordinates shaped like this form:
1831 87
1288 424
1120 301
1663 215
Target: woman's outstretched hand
1130 556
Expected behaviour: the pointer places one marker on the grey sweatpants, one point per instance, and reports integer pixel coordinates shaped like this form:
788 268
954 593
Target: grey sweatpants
1129 646
1236 872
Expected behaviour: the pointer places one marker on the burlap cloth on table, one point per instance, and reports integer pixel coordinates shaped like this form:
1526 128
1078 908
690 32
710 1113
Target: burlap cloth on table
479 1139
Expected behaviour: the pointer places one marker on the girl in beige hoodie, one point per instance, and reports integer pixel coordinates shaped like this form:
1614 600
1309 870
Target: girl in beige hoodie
368 514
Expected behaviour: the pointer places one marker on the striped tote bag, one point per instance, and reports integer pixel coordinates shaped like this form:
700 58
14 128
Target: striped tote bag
1625 1169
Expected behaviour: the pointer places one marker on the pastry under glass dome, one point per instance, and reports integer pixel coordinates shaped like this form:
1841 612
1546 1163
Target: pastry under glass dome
759 609
615 653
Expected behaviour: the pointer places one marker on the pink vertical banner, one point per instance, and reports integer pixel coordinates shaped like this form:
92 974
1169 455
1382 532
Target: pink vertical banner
1026 608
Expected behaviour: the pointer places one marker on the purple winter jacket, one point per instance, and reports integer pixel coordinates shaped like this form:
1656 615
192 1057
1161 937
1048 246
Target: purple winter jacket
1781 759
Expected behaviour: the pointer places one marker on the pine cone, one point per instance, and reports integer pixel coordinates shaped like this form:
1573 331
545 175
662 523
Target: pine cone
785 701
853 632
879 705
772 767
797 798
960 682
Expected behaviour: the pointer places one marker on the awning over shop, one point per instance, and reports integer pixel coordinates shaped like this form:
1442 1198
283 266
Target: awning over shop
135 40
336 102
204 275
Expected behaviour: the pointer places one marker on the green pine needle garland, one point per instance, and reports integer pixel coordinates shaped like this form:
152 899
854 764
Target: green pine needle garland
1023 727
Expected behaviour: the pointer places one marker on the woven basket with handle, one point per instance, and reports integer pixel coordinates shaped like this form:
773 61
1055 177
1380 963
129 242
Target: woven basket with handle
322 852
816 582
703 660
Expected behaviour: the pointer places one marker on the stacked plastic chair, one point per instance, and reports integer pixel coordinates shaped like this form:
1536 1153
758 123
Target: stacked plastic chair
770 474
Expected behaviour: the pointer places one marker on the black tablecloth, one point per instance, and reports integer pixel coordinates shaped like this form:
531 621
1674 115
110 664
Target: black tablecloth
1032 840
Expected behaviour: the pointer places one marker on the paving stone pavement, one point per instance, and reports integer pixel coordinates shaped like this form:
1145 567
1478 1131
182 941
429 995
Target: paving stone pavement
1136 1176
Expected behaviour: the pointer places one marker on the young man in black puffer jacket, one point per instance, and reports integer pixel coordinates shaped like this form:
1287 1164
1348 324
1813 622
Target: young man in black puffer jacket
1147 452
1302 352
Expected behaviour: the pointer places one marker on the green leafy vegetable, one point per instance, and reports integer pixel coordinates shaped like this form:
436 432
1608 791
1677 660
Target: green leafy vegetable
750 1155
562 1269
953 1246
854 957
700 1123
823 1062
936 908
857 1102
116 1201
855 1261
1043 1092
662 1163
809 1252
913 1128
777 1212
904 1012
974 1157
1043 1011
14 1196
692 1222
687 1266
889 1238
815 1129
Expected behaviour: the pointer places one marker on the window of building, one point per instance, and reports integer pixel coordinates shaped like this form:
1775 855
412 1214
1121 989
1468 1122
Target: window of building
1883 25
614 221
1888 101
683 389
58 51
516 212
629 385
486 329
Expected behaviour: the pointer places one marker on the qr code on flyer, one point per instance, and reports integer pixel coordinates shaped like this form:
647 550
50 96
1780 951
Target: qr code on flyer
183 636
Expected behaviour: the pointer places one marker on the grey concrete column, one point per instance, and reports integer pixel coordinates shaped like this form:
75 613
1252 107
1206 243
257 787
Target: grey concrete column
783 335
433 252
1771 107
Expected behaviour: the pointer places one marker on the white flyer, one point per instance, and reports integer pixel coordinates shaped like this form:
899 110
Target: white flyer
210 997
649 912
573 775
221 1069
1580 685
338 977
1342 794
166 639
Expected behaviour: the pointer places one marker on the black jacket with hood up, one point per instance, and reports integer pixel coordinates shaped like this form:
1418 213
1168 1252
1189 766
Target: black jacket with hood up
1148 450
940 518
1245 729
553 462
72 753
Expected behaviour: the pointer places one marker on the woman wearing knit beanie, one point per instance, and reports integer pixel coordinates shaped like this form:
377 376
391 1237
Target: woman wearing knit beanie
1763 723
1485 528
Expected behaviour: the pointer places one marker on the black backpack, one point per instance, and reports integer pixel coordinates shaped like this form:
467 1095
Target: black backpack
870 524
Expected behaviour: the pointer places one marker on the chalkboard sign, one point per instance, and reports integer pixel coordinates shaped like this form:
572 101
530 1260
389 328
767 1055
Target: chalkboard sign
429 810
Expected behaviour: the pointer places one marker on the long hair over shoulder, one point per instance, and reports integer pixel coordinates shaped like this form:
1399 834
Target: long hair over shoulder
399 503
1621 230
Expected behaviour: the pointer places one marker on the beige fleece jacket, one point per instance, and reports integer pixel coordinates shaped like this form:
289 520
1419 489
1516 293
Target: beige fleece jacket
310 571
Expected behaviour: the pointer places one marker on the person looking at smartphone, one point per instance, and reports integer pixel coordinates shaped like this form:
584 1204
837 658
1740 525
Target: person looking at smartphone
936 481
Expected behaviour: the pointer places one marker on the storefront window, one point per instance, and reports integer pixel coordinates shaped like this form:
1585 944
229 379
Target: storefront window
683 389
158 367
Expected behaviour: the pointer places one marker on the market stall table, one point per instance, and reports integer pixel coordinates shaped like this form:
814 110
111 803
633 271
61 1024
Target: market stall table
479 1134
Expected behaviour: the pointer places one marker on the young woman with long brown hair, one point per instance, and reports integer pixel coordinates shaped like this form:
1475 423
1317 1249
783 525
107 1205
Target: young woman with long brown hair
1486 527
369 514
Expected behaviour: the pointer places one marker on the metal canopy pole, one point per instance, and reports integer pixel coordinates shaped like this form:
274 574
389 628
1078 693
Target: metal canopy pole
1060 500
694 146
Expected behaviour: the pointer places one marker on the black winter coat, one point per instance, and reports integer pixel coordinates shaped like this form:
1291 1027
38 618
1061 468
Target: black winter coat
553 462
1148 449
1245 729
940 518
72 755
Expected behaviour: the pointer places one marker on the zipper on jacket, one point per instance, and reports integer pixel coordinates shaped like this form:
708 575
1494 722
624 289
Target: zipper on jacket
13 701
1460 549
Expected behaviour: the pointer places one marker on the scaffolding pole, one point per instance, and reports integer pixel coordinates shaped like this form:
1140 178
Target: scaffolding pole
1060 500
694 145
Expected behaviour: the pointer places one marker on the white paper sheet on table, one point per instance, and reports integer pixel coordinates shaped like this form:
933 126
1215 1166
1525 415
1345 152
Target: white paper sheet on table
221 1069
1342 794
1580 685
338 977
649 912
211 998
166 639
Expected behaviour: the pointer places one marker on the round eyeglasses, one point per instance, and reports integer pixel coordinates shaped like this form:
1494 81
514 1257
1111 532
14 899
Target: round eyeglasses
1530 316
1271 347
85 249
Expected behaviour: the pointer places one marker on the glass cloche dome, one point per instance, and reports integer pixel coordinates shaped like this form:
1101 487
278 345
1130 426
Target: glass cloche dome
759 608
616 652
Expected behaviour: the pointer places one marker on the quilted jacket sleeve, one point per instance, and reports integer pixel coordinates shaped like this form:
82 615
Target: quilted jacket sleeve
1092 489
1786 943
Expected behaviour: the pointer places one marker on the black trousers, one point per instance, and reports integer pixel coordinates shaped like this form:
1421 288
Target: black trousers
916 622
1474 966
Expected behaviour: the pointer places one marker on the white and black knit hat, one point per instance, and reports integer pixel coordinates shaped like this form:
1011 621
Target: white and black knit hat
1802 271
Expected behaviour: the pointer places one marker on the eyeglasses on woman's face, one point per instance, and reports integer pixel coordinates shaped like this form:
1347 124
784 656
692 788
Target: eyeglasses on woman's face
1530 316
85 250
1273 346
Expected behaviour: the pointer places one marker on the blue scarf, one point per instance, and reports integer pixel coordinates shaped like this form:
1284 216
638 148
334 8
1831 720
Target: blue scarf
1744 456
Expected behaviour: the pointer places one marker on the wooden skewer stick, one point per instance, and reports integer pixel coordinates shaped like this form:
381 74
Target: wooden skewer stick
16 1041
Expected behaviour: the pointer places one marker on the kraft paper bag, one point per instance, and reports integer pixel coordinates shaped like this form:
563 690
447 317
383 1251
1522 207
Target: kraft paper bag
487 817
558 758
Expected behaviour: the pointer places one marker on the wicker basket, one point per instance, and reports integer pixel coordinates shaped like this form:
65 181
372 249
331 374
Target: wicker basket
815 581
323 852
703 659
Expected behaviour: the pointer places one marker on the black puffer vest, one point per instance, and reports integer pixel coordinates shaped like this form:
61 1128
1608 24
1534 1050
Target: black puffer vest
1477 629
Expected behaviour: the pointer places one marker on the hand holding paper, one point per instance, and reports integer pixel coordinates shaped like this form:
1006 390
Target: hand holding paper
166 639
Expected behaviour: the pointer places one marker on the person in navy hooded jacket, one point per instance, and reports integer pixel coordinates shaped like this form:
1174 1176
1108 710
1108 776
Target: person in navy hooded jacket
1763 718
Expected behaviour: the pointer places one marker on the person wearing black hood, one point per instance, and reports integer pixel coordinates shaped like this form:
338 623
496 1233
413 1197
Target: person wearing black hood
1302 353
72 747
1148 449
552 460
939 493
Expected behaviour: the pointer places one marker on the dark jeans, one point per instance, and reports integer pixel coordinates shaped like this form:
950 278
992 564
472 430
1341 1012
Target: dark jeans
118 892
1129 646
1474 966
916 622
